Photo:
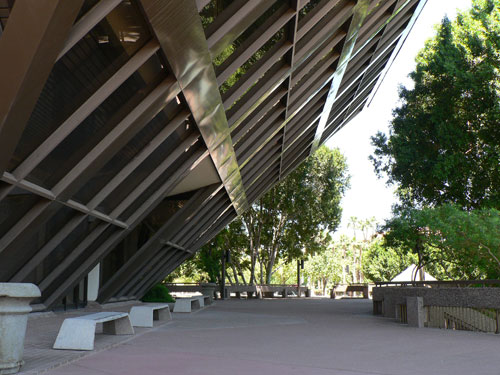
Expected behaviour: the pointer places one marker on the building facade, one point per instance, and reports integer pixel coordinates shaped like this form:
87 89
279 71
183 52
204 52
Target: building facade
132 131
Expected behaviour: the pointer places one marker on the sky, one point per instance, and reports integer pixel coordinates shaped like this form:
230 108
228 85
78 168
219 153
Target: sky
369 196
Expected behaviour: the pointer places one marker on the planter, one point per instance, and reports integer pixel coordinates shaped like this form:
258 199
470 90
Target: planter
14 309
208 289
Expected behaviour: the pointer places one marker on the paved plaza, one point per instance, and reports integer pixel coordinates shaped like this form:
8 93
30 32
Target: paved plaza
272 336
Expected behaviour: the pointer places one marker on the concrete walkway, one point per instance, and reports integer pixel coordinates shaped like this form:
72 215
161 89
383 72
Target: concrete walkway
292 337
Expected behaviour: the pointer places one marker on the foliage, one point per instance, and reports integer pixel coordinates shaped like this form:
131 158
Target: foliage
325 267
444 140
286 224
382 263
453 242
285 273
291 217
158 293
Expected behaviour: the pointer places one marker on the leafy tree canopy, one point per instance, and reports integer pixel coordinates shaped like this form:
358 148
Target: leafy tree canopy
450 242
444 140
381 263
293 216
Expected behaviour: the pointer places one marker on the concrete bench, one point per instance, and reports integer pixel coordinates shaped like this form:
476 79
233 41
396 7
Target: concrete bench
186 305
79 333
204 300
143 316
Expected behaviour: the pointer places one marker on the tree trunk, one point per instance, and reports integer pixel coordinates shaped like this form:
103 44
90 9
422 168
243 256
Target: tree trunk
240 272
235 273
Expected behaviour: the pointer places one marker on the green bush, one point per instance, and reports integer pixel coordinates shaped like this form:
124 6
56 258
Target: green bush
158 293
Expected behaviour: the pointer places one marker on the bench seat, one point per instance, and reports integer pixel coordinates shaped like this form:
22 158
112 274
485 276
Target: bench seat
79 333
186 305
143 315
204 300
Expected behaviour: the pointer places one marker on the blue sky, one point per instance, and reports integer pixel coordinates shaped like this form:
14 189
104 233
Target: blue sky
369 196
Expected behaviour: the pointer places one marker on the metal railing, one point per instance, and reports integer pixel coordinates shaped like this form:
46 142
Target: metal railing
463 318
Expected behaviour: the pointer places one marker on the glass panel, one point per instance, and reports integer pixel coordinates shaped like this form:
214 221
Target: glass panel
95 127
81 71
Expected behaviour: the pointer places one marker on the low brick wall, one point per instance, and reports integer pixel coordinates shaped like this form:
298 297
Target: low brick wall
389 297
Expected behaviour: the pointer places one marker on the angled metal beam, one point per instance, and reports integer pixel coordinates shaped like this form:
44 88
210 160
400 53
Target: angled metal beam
72 256
40 211
255 73
87 23
28 55
252 120
205 221
118 137
138 159
224 34
253 44
141 257
76 118
315 16
41 254
48 194
194 70
156 274
401 41
360 13
79 270
160 257
153 176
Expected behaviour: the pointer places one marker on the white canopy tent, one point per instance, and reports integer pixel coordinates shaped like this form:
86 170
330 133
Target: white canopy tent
409 275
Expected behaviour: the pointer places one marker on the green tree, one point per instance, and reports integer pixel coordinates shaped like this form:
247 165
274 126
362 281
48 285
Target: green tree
324 267
381 263
291 217
449 242
444 140
285 222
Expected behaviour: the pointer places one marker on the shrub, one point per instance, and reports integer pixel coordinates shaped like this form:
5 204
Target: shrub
158 293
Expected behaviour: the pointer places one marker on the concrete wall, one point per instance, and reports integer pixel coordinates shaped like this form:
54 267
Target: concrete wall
487 298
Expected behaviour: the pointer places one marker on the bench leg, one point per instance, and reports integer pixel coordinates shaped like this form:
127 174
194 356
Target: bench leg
120 326
141 316
162 314
195 304
182 306
76 334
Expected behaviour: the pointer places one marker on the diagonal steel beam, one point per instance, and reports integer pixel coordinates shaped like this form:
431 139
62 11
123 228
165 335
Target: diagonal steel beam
118 137
195 73
401 41
142 255
28 55
87 23
360 13
85 109
79 270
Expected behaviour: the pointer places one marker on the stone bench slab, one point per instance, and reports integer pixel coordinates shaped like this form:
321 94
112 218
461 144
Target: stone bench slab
186 305
143 316
79 333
